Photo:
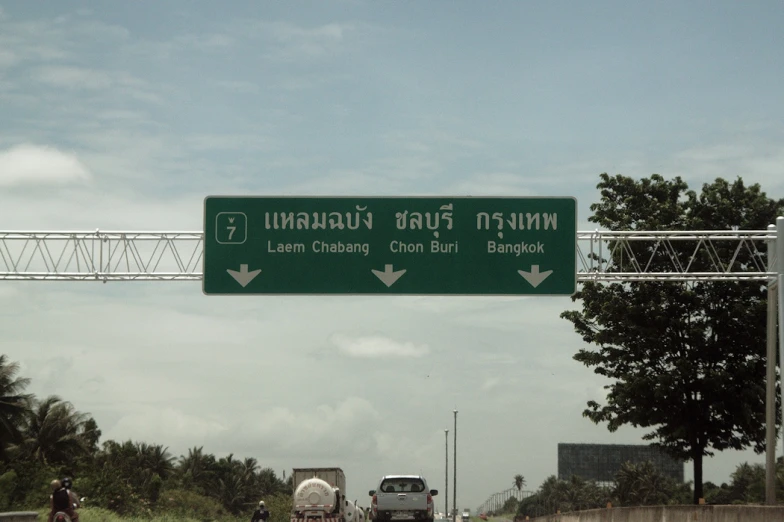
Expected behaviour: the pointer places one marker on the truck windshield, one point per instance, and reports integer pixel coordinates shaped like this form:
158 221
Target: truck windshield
402 485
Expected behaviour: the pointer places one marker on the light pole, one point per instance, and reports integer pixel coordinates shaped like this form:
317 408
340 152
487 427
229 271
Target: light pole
446 472
770 384
454 473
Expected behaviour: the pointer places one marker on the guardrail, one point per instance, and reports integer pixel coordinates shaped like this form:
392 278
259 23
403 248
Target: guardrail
703 513
19 516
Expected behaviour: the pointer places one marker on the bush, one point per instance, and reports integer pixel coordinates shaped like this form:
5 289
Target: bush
8 481
279 506
96 514
106 488
189 504
31 489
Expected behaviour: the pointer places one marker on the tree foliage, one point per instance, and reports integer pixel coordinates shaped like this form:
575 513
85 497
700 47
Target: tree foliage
52 432
643 485
510 506
564 495
686 359
14 404
48 438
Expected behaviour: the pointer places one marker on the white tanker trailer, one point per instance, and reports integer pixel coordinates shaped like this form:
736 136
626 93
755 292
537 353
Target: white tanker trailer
354 513
319 495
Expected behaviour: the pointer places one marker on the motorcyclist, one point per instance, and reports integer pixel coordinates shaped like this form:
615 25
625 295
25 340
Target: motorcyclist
60 500
261 513
67 484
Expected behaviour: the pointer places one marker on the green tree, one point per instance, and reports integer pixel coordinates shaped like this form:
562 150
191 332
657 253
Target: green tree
279 506
270 484
510 506
686 359
153 460
112 479
91 435
519 482
197 470
14 404
53 433
564 495
8 482
643 485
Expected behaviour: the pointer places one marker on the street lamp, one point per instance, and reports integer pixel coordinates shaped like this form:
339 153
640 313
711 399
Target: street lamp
446 472
454 473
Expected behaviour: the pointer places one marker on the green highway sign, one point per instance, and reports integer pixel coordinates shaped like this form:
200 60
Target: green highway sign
390 245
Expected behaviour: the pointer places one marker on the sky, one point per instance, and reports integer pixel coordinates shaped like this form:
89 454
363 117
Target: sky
126 115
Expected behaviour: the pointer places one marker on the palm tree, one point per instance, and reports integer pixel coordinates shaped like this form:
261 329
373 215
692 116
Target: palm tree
519 482
249 467
154 459
232 492
14 404
269 483
197 469
91 435
53 432
642 484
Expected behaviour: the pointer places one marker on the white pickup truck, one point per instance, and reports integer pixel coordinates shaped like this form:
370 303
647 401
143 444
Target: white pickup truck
402 497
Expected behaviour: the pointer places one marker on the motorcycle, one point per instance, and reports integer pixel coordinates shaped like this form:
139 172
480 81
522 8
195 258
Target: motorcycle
62 516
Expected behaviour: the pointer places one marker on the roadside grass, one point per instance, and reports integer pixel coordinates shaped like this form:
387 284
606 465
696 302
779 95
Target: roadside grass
94 514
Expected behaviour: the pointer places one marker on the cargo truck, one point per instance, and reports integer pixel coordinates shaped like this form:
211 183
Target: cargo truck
319 495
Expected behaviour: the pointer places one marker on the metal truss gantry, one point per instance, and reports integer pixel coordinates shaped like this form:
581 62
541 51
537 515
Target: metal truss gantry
177 256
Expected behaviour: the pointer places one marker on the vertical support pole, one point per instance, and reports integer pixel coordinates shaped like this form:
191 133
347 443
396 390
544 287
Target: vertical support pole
454 473
780 270
770 380
446 473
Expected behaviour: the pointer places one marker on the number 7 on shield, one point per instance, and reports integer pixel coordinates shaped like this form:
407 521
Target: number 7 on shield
231 228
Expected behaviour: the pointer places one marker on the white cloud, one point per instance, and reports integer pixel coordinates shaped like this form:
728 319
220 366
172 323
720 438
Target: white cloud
106 209
285 32
115 83
202 42
490 383
318 426
450 305
7 58
753 161
296 42
240 87
494 184
278 432
165 424
73 77
377 346
28 164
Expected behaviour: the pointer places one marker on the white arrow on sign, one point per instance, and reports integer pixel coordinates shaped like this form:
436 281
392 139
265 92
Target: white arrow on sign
243 277
388 276
535 277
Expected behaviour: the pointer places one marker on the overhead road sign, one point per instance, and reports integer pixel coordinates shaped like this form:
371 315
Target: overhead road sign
390 245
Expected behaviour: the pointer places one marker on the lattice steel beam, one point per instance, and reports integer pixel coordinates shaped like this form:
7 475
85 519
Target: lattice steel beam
177 256
731 255
101 256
